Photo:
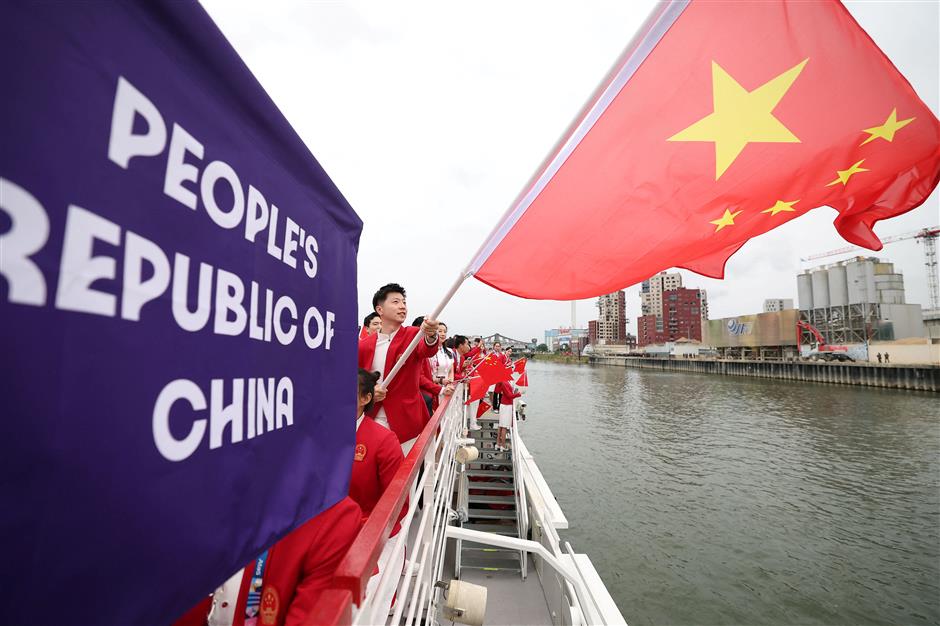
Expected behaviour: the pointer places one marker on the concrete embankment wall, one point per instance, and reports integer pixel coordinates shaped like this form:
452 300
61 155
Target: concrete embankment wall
918 377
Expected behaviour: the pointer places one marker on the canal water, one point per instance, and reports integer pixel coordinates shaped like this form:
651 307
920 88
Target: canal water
705 499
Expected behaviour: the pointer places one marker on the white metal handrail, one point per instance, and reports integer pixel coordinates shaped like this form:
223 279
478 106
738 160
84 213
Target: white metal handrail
522 509
584 601
414 589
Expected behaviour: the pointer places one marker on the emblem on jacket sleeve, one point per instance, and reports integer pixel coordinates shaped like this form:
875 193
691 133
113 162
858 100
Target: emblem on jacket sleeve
360 452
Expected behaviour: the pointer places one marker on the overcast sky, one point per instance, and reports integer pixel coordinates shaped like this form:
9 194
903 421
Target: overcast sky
431 116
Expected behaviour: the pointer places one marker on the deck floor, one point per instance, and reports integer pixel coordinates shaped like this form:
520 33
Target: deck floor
510 601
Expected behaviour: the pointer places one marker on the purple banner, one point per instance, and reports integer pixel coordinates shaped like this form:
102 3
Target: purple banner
178 301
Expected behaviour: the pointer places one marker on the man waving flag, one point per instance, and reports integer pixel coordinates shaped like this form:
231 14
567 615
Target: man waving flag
722 121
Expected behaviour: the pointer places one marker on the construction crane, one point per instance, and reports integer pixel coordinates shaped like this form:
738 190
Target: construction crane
926 236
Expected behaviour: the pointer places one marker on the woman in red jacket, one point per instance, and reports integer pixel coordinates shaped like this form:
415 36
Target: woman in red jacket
376 459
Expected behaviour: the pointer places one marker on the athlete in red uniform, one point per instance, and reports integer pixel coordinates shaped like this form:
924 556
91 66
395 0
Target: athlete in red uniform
377 454
403 407
376 459
293 574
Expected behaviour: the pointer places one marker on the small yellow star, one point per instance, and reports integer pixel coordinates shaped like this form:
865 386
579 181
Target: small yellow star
845 175
725 220
886 131
780 207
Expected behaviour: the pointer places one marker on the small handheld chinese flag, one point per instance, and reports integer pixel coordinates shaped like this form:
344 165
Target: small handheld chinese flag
722 121
477 389
523 381
519 366
482 409
494 371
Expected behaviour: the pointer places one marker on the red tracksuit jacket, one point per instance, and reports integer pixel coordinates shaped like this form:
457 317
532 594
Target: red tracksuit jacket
377 457
300 566
404 406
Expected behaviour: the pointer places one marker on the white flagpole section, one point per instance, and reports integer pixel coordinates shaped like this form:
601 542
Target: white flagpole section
660 19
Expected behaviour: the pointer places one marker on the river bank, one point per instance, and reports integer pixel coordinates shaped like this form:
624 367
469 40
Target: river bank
559 358
913 377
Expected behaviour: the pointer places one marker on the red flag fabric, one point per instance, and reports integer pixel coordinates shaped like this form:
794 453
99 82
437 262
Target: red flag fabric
477 389
519 366
723 121
523 381
493 371
483 408
363 333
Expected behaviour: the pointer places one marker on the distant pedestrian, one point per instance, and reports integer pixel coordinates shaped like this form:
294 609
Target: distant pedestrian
887 358
879 357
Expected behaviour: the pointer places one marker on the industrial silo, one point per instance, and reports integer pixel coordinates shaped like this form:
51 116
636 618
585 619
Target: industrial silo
860 278
838 289
804 291
890 288
820 289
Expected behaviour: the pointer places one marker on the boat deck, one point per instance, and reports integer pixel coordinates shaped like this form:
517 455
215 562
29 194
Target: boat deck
510 601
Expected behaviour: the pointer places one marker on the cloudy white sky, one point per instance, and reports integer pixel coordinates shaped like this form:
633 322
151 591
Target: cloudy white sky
430 116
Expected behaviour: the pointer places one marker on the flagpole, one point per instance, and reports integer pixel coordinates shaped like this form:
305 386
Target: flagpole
501 227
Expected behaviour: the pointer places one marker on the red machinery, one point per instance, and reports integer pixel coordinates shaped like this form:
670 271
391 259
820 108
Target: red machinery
823 350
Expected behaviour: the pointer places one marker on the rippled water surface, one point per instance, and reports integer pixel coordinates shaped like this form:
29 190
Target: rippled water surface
705 499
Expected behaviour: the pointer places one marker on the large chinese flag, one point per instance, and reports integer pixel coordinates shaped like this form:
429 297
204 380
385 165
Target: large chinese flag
722 121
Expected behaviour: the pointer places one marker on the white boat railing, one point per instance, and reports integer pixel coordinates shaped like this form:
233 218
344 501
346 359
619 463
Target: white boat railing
522 509
425 483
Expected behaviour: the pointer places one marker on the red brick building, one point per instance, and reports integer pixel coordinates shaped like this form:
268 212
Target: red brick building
681 317
646 330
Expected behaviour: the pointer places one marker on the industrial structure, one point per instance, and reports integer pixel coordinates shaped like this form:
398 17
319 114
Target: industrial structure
925 236
773 305
857 301
771 335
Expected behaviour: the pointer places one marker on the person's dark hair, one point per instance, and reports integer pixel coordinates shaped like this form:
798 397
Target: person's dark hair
383 292
478 340
418 321
368 319
459 340
367 381
449 343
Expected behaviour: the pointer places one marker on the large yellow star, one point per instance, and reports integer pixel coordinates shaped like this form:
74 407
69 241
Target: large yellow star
845 175
741 117
725 220
886 131
780 207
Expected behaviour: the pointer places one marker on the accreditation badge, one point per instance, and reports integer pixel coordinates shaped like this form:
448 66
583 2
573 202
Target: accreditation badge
360 452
